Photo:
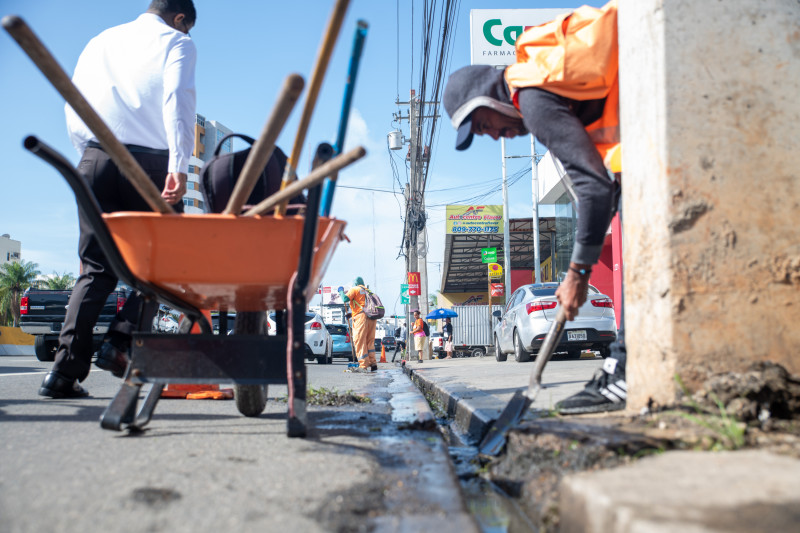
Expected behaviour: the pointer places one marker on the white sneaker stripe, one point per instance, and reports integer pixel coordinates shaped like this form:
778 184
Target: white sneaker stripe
608 394
616 390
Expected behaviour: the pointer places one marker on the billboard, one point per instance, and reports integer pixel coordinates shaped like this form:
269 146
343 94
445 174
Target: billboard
330 296
493 32
474 219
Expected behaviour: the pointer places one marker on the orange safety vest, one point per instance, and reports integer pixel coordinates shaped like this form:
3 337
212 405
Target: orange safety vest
575 56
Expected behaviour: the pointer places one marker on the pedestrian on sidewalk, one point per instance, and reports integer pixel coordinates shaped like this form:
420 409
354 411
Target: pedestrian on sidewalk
363 327
420 338
447 334
400 341
575 114
139 77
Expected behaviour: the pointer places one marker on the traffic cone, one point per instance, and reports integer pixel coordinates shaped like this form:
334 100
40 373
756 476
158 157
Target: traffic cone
197 392
383 354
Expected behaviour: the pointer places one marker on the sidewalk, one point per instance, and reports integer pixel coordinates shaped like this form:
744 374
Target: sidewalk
612 472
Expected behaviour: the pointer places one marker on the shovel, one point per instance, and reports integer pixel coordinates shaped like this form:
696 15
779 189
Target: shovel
495 439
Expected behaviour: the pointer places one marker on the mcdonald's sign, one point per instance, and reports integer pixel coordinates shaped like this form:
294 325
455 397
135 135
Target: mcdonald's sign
413 284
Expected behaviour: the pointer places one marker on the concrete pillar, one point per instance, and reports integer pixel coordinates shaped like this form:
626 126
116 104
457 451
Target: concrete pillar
710 115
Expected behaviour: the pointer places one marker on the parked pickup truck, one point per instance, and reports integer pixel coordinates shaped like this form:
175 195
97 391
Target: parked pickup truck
42 314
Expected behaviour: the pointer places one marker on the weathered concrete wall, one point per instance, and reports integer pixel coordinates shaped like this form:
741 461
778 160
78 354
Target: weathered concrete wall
710 116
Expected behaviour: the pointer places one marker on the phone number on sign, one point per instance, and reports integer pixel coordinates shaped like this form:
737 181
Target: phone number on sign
474 229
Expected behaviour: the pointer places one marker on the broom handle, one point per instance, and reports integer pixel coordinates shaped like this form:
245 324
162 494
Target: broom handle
48 65
265 145
323 57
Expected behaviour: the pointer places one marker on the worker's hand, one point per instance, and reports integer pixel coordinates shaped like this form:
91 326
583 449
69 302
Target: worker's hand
175 187
572 292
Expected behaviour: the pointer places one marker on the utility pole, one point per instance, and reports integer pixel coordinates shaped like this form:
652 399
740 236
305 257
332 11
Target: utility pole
537 260
506 237
415 228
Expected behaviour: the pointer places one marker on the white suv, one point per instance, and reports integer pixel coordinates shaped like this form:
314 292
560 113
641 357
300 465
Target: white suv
319 344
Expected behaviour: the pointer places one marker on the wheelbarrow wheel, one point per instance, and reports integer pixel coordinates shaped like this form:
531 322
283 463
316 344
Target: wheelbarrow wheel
250 399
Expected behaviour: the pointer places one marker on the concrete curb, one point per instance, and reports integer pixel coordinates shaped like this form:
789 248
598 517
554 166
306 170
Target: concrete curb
472 409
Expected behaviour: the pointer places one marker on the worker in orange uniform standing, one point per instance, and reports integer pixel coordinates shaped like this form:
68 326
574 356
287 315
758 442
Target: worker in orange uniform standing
363 327
564 90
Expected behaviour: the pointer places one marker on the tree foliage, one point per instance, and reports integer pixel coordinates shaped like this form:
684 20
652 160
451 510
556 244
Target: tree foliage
60 282
14 279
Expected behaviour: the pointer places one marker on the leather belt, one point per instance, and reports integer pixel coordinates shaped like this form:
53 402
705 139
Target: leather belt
132 148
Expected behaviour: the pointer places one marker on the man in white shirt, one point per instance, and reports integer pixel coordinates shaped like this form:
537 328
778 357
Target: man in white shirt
139 77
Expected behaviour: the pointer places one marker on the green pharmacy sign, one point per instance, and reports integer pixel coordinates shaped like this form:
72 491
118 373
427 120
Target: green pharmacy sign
488 255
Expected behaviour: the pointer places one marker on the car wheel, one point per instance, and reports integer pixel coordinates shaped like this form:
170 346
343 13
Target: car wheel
498 353
521 355
44 350
250 399
478 352
605 351
573 353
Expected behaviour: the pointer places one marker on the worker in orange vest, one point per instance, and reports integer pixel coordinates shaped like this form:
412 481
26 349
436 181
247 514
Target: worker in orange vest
564 90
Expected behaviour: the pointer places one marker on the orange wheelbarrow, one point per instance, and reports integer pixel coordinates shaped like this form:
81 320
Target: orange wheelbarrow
238 267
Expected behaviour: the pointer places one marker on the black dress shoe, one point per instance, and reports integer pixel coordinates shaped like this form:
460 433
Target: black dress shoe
57 385
111 359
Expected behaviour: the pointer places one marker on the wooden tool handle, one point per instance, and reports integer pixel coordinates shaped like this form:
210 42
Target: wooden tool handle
315 177
264 146
47 64
323 57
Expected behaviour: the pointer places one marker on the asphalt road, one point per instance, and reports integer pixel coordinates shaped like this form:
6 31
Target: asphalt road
200 466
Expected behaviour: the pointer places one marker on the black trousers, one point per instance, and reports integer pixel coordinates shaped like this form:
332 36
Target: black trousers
96 281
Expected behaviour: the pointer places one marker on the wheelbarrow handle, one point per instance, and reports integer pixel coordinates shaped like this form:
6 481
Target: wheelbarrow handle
314 178
321 65
48 65
265 145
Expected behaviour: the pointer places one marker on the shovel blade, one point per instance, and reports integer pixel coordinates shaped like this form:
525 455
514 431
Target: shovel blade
495 439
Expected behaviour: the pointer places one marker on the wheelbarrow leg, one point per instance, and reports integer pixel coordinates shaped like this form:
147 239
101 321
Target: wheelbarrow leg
149 405
297 421
122 409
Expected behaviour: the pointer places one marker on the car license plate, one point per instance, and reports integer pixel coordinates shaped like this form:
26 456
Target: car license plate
577 335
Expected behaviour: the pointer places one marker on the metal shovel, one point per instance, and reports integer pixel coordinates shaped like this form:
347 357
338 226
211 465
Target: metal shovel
495 439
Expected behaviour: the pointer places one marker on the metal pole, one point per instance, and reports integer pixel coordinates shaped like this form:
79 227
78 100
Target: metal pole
506 244
413 259
537 261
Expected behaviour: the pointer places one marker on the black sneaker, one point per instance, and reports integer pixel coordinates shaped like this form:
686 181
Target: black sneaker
374 368
607 391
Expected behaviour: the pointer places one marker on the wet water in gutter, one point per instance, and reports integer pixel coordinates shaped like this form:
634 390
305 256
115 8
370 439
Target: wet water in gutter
493 509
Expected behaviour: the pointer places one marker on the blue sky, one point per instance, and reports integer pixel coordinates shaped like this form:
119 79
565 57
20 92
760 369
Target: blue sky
245 50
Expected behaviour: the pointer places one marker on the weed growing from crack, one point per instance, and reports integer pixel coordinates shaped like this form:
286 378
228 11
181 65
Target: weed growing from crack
730 432
331 397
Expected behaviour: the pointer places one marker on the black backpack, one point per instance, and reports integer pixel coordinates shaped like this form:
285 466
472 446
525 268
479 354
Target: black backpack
373 307
219 176
426 329
397 332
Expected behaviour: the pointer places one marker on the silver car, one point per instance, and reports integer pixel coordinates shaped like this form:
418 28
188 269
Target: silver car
319 344
523 325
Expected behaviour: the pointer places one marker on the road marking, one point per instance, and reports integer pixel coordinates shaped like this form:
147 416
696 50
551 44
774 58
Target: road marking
36 373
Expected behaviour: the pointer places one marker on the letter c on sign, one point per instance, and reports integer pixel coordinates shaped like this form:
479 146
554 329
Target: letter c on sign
487 31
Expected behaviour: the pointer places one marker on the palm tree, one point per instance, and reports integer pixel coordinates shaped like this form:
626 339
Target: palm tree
60 282
14 279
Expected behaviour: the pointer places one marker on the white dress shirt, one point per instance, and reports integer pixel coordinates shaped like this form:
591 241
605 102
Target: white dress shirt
139 77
